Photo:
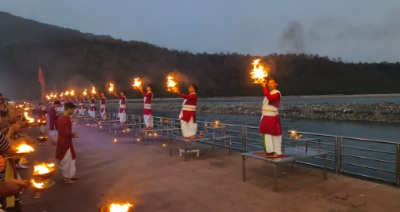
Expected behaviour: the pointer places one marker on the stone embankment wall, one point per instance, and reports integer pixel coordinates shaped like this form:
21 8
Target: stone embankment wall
383 112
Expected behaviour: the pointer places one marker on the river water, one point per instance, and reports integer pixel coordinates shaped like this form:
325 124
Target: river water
364 99
368 130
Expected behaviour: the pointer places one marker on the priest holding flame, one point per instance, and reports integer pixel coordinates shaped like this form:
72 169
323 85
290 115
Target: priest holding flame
81 107
103 111
92 106
188 112
147 113
270 124
122 106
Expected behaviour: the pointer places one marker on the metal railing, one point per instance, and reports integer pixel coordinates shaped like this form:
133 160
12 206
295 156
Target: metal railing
365 158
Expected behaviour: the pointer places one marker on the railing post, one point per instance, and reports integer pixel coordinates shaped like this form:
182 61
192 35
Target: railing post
341 155
244 139
397 164
336 155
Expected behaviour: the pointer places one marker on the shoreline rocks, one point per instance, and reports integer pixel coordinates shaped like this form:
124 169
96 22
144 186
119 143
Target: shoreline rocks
377 112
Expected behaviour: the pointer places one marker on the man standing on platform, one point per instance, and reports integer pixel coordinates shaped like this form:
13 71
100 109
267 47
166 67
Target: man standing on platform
122 107
81 107
270 124
65 153
92 107
53 116
147 113
60 108
103 111
188 112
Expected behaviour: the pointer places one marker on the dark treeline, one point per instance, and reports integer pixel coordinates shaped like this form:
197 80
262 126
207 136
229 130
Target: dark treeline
70 59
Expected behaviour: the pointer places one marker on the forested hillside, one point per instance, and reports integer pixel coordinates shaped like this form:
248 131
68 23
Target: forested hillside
71 59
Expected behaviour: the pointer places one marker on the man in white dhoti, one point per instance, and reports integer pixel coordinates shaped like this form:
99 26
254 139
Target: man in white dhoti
122 108
188 113
53 116
103 111
81 107
92 107
147 113
270 124
65 152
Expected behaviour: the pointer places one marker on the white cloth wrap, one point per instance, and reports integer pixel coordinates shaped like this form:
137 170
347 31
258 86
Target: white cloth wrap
147 106
67 165
122 117
148 120
189 107
273 143
188 128
92 113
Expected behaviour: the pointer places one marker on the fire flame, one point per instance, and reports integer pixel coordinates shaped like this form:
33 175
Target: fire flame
43 168
170 83
93 90
111 88
36 185
84 92
258 73
115 207
24 148
48 97
66 93
137 83
72 93
30 119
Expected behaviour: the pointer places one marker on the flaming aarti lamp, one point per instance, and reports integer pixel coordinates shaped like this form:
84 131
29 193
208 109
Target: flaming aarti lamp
42 173
39 186
23 149
294 134
116 207
42 138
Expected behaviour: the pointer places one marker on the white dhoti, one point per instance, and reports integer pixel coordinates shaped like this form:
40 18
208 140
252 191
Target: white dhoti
103 113
53 136
60 110
188 128
92 113
122 117
42 128
148 120
67 166
272 143
81 111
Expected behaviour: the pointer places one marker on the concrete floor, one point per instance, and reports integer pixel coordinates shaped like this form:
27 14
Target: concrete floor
145 175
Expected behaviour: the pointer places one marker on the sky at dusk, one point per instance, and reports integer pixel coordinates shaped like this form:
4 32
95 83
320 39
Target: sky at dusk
354 30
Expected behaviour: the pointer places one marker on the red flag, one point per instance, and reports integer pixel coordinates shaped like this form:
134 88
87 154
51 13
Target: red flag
41 80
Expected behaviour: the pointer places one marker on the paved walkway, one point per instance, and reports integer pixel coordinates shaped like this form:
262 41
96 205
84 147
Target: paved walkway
145 175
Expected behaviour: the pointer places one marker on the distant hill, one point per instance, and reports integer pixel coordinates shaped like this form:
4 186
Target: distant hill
71 59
